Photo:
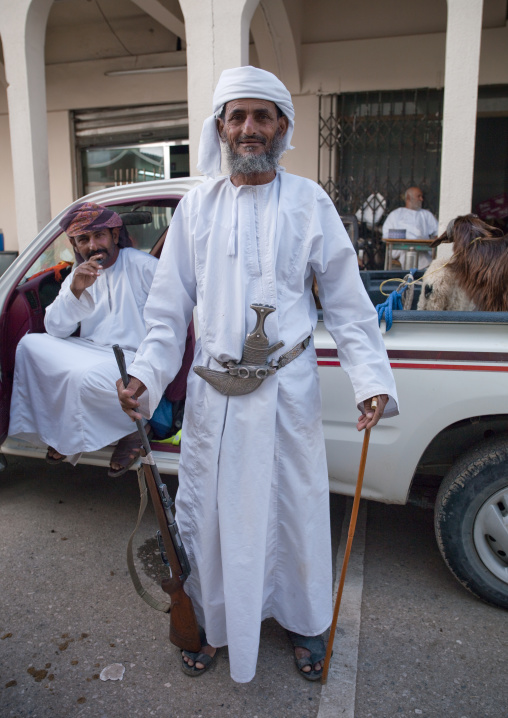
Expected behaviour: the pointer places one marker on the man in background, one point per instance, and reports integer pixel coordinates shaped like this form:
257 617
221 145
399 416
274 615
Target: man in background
417 222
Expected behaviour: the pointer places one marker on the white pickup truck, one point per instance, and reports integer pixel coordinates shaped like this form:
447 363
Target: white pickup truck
448 448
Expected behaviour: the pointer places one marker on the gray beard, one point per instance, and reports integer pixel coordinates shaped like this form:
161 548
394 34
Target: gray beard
255 164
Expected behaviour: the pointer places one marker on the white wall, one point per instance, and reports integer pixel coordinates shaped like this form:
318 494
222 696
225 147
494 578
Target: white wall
389 63
394 63
80 85
303 160
494 57
62 177
7 211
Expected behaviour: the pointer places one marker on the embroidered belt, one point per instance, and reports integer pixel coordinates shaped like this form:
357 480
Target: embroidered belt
293 353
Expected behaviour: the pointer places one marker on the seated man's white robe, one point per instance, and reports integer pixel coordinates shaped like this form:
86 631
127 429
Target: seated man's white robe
419 224
64 393
253 498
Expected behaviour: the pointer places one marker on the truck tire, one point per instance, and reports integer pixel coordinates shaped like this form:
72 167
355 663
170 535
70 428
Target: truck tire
471 520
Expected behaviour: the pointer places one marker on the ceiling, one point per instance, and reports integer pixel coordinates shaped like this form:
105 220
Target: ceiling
333 20
80 30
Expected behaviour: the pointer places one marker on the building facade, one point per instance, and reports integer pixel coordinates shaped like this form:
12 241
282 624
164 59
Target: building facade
387 94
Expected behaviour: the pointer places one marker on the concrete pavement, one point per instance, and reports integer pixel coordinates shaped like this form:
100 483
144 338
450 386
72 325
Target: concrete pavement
410 642
427 646
68 609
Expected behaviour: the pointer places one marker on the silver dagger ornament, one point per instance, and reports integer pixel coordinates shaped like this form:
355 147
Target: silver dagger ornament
245 376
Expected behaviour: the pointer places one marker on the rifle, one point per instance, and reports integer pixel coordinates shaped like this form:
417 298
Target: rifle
183 626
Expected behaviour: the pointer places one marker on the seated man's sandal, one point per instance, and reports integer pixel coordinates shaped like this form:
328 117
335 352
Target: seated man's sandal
50 458
127 445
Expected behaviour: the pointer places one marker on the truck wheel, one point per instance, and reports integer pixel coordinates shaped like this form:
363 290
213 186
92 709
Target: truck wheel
471 520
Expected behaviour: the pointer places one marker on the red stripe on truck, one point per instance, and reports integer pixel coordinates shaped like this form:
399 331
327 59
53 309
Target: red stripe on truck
438 355
449 367
444 367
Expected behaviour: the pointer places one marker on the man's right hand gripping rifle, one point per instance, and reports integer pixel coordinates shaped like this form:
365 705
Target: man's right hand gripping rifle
184 629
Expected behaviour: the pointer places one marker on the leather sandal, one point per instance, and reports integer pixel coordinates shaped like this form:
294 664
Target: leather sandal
127 445
51 459
316 646
198 657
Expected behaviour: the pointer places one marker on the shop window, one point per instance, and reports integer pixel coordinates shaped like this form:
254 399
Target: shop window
112 166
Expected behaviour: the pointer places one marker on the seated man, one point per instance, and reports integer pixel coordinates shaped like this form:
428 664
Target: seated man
419 224
64 389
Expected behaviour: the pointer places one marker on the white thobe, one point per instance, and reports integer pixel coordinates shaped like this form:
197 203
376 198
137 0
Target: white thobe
253 498
64 392
419 224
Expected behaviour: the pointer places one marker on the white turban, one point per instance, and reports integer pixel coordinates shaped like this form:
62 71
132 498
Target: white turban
235 84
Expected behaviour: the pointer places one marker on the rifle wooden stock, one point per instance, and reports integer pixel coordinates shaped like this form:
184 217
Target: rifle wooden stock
183 625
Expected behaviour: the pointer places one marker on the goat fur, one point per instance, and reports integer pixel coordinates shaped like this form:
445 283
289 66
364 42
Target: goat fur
476 276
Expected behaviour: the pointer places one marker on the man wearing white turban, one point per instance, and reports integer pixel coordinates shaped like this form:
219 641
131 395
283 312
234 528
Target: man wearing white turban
253 498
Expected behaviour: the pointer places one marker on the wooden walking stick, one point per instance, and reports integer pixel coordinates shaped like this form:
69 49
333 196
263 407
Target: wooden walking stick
350 535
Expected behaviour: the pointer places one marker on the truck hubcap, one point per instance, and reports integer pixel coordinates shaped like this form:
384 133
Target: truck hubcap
490 534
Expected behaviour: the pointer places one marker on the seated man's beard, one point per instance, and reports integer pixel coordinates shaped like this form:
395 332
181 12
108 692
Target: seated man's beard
255 164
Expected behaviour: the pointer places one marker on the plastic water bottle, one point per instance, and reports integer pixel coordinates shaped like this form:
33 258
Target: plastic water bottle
411 259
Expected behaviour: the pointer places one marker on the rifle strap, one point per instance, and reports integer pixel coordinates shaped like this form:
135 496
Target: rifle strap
163 606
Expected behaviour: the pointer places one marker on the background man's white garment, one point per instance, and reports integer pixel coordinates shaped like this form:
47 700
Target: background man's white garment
64 392
253 498
419 224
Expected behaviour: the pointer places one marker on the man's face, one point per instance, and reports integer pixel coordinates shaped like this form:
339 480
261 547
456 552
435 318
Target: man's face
415 198
250 126
101 244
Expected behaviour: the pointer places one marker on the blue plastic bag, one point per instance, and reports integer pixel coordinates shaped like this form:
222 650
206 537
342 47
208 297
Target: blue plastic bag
162 419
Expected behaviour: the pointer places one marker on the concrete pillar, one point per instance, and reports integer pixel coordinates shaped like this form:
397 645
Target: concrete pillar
217 34
23 31
463 38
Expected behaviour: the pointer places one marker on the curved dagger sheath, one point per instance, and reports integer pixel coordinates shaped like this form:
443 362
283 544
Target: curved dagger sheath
245 376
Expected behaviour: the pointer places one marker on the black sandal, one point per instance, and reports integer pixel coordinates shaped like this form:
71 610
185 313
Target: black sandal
198 657
317 648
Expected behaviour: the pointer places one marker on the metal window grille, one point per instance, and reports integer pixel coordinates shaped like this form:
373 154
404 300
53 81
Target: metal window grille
374 145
